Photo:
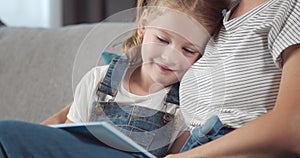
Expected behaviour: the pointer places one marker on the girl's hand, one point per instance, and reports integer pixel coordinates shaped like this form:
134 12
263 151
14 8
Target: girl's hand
58 118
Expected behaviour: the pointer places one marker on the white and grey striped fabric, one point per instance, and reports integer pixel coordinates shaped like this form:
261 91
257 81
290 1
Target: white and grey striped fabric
239 75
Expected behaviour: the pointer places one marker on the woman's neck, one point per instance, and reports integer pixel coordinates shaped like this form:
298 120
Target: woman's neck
245 6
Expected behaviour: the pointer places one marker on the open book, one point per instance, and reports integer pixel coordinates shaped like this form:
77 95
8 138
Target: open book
107 134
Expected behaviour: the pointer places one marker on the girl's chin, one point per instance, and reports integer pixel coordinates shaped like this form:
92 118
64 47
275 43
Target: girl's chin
165 82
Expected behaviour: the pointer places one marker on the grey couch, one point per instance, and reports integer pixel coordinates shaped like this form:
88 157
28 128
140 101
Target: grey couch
39 68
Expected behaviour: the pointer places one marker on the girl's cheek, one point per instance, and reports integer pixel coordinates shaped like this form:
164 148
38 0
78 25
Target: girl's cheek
187 63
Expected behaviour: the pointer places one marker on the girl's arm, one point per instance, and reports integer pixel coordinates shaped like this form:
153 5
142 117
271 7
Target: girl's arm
58 118
275 134
179 142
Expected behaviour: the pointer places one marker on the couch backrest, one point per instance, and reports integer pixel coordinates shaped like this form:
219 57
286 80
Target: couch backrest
36 66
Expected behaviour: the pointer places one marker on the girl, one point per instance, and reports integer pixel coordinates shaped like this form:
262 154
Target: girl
138 92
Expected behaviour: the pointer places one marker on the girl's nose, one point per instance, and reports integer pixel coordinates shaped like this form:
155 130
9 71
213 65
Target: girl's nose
170 55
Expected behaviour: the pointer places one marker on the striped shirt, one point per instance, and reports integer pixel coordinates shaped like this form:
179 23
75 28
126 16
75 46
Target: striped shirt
239 75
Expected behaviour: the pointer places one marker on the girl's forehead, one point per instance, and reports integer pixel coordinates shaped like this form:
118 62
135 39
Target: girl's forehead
181 24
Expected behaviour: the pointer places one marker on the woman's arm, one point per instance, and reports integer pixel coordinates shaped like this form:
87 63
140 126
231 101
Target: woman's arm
275 134
58 118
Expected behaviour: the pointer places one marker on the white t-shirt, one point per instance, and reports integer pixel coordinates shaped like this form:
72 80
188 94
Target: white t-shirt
239 74
85 95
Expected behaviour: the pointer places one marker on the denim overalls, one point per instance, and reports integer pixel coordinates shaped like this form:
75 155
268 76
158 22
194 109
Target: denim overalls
210 130
150 128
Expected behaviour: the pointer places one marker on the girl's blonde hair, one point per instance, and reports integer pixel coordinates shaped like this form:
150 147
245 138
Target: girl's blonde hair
208 13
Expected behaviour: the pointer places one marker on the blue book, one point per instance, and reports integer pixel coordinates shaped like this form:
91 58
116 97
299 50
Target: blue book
107 134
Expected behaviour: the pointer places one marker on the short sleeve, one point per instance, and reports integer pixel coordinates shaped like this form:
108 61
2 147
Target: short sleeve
285 30
84 94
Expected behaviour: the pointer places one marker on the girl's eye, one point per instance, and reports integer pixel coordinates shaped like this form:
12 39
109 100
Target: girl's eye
162 40
190 51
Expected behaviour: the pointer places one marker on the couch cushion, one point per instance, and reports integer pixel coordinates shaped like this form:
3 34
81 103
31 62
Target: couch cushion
36 67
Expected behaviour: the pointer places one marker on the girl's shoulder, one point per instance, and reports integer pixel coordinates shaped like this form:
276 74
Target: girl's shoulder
99 71
94 75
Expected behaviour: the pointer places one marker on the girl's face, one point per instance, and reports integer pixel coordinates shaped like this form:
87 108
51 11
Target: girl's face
172 43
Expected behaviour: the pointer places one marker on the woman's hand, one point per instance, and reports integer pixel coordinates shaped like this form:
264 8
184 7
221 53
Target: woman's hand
180 155
193 153
171 156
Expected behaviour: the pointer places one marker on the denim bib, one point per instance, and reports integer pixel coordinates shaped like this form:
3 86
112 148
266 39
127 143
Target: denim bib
152 129
212 129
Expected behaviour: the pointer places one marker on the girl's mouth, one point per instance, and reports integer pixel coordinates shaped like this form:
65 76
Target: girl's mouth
164 68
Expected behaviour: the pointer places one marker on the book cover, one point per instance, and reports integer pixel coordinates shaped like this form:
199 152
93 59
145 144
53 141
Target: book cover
107 134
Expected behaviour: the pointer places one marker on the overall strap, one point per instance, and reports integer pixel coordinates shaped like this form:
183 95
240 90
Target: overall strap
172 99
114 75
173 94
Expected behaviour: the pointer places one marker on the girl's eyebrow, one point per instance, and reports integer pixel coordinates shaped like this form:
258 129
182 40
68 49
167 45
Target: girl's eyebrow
194 45
164 31
187 43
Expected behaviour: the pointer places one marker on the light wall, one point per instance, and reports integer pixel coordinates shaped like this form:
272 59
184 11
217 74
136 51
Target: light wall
31 13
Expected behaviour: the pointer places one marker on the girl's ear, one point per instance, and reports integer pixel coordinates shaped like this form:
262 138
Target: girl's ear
142 23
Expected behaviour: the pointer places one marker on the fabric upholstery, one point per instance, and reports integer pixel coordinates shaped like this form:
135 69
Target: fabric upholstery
39 68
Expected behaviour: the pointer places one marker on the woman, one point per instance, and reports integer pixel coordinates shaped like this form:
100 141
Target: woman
250 73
